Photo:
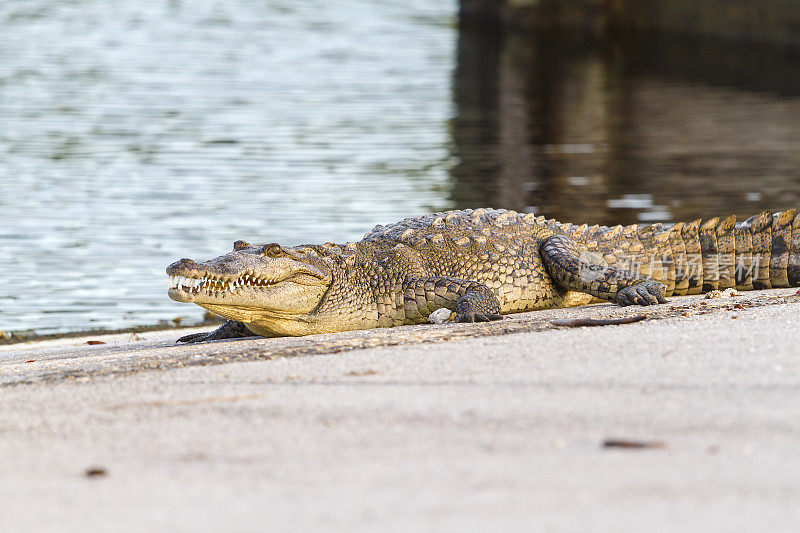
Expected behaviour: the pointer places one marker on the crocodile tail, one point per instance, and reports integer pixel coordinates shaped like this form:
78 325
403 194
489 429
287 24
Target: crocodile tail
726 252
761 252
692 261
678 249
709 254
761 228
781 230
657 261
767 251
793 266
743 236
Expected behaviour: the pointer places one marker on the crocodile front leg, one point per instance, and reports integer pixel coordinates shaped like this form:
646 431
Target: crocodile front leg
575 271
472 301
231 329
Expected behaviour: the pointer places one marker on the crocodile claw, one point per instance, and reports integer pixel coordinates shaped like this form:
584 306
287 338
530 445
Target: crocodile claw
649 292
194 337
229 330
477 317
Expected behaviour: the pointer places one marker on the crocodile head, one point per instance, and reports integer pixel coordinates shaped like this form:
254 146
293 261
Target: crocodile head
271 288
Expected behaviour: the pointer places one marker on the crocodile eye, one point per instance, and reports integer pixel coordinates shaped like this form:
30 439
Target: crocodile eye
273 250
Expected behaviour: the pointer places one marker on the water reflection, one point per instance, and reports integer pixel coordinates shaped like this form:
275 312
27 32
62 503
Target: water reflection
625 131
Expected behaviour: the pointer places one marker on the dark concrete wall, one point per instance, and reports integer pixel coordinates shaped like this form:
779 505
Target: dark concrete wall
764 21
769 21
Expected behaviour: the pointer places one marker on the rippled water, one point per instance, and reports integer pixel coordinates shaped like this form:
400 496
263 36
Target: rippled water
135 133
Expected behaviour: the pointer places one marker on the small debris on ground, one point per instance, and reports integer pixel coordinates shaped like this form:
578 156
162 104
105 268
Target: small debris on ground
368 372
581 322
440 316
95 342
31 361
621 443
96 472
727 293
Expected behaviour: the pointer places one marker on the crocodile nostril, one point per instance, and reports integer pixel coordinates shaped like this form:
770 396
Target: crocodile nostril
184 263
240 245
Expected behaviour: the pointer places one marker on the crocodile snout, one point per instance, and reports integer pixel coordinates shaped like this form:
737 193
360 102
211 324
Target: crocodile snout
182 265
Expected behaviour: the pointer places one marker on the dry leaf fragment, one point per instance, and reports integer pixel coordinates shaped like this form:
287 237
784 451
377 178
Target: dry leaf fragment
622 443
96 472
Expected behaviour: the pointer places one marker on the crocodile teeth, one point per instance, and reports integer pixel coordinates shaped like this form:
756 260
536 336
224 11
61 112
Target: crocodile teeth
215 286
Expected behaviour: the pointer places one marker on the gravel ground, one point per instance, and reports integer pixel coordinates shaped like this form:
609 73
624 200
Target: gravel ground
430 428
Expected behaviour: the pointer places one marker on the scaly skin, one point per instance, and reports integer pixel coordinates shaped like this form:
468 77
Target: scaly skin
481 264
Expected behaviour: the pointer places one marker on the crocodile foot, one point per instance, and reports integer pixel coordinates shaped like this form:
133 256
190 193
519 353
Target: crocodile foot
479 304
229 330
649 292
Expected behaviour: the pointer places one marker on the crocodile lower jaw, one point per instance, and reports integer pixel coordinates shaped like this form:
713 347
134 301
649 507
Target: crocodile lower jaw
249 314
268 323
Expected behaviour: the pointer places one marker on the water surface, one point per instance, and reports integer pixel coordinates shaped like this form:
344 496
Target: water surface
135 133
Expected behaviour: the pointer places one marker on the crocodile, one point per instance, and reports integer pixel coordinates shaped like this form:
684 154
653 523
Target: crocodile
480 264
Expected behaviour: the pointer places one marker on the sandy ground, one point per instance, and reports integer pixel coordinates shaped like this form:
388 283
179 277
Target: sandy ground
497 427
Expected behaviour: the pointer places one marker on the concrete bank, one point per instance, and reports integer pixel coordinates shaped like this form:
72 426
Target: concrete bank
445 428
